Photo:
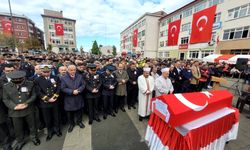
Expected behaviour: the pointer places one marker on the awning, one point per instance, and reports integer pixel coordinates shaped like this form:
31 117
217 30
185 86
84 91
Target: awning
229 59
233 60
211 58
223 58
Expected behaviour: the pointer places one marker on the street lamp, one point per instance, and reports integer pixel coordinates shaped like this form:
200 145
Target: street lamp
12 26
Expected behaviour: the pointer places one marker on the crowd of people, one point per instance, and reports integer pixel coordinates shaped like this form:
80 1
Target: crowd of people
47 91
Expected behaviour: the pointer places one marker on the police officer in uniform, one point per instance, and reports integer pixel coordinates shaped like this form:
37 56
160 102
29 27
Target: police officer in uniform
109 83
19 96
48 89
93 84
132 86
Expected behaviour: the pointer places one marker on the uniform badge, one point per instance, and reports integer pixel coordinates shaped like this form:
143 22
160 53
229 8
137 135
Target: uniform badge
52 80
24 89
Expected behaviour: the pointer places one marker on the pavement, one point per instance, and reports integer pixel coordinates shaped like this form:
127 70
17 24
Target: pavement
125 132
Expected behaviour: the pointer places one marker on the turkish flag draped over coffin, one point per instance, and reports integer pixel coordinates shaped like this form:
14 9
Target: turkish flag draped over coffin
178 109
202 25
173 32
59 29
7 27
135 33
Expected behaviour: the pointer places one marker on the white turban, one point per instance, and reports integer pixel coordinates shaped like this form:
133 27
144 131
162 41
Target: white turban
165 70
146 69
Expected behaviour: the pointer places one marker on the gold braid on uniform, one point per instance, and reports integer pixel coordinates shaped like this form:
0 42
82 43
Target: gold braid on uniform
55 95
45 98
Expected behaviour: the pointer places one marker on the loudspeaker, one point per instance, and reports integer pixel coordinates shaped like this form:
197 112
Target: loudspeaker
241 63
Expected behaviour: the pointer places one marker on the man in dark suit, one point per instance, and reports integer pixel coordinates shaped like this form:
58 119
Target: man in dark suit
132 86
72 85
178 79
19 96
48 89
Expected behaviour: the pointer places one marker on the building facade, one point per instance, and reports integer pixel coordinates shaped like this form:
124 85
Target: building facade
230 31
61 43
24 28
147 29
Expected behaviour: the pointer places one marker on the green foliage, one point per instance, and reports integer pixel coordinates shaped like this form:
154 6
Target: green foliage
114 51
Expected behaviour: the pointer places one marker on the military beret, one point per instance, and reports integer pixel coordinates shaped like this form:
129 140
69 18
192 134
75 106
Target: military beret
91 66
110 67
16 74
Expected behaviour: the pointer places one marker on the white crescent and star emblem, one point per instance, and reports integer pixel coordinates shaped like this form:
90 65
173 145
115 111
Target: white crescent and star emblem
191 105
175 29
59 28
8 26
199 20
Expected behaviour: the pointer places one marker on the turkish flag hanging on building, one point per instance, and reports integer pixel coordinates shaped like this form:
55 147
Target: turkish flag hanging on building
202 25
7 27
173 32
59 29
135 33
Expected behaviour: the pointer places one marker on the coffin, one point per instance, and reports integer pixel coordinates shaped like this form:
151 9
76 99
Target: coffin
178 109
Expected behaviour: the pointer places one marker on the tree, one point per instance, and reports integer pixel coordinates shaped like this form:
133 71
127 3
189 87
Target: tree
95 49
49 48
6 41
114 51
32 43
81 50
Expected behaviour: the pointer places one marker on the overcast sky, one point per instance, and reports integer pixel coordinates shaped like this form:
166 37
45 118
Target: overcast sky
100 20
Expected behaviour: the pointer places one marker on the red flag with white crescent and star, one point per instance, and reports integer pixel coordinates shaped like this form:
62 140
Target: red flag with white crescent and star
59 29
7 27
173 32
135 33
202 25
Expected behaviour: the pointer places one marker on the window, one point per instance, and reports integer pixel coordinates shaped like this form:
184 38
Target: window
184 40
187 13
199 7
143 33
163 23
213 36
240 52
238 33
193 54
186 27
163 54
206 53
143 22
161 33
162 44
176 17
51 27
239 12
169 20
243 11
214 2
217 18
66 42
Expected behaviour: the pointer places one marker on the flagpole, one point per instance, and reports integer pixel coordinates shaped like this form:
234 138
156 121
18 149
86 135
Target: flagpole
12 26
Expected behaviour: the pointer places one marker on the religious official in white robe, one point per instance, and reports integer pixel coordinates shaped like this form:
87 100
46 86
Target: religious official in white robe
163 84
146 87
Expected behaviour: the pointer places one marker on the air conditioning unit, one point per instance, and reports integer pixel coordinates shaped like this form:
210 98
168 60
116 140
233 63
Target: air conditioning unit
211 43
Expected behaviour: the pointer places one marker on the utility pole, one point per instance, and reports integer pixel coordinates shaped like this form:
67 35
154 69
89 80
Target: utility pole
12 26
